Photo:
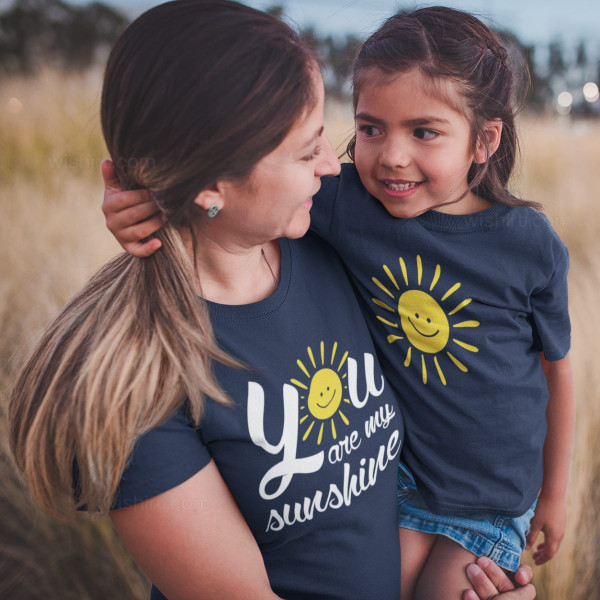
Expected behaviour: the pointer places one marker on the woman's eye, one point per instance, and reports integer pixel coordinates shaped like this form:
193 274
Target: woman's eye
369 130
425 134
312 155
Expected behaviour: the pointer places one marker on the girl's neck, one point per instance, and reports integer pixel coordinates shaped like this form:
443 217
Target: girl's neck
233 274
465 206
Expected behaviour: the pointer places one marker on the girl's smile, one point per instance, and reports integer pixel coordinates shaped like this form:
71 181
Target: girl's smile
400 188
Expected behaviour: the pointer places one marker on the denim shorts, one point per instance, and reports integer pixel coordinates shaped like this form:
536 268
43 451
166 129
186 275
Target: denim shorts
500 538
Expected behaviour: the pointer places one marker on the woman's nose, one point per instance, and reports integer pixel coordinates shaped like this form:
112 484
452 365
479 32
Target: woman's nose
327 162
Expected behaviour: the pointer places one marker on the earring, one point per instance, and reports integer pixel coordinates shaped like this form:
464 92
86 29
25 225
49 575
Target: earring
212 211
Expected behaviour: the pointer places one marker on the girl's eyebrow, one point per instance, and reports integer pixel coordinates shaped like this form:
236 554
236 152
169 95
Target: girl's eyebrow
427 120
363 116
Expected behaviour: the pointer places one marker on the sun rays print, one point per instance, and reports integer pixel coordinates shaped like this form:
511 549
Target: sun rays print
428 318
322 386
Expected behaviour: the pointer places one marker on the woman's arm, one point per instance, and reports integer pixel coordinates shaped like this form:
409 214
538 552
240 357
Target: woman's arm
193 542
551 512
490 582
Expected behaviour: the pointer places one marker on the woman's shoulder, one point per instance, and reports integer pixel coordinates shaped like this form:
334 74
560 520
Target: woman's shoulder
162 458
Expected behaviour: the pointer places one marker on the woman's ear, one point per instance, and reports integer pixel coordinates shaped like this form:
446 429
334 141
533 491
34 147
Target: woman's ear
211 197
492 132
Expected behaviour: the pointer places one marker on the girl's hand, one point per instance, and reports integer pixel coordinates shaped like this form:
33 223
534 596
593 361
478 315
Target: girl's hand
491 582
551 518
130 216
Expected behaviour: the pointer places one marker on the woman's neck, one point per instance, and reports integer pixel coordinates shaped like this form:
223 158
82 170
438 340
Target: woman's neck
232 274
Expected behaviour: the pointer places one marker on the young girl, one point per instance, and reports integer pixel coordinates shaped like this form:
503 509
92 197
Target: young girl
464 290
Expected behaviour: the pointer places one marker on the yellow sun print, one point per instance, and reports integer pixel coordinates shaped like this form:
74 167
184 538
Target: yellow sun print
426 322
423 321
325 388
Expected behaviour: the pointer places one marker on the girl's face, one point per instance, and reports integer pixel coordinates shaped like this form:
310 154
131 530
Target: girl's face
413 150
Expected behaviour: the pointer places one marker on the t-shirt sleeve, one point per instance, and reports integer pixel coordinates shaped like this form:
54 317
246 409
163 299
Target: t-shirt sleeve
550 306
162 459
321 213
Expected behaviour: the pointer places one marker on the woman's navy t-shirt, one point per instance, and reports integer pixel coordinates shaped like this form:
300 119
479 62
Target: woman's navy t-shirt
310 448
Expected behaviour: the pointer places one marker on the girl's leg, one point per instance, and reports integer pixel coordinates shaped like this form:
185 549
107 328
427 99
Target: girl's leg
443 576
415 547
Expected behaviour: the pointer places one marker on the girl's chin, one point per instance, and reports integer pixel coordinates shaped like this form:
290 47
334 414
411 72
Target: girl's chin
404 209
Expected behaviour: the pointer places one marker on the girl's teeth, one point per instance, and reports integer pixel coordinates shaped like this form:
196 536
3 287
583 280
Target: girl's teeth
400 187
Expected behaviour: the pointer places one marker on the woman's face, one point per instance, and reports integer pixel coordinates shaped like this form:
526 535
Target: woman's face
276 199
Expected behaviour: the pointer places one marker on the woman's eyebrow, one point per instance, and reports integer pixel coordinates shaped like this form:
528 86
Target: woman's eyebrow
316 136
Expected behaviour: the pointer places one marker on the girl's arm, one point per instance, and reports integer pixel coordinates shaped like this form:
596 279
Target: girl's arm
551 513
193 542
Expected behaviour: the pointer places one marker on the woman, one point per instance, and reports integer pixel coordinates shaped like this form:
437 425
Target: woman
287 488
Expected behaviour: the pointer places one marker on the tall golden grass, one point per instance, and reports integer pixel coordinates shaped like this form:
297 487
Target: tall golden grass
53 237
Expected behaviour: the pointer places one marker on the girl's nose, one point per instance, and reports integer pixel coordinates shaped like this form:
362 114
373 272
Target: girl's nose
327 162
394 154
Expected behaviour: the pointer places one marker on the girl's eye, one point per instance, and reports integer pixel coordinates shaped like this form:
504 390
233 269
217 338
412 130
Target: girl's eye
312 155
425 134
369 130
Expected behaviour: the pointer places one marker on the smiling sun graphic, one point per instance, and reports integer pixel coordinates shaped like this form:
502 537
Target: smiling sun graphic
325 391
426 322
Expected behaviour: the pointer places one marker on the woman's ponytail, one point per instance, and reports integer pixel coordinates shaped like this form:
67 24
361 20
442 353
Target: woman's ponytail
120 358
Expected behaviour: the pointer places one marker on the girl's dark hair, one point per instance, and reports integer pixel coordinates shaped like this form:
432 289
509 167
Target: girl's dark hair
195 91
448 44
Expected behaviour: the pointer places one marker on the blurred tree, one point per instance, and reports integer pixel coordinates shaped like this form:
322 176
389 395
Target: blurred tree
540 91
582 57
276 10
340 55
556 61
36 32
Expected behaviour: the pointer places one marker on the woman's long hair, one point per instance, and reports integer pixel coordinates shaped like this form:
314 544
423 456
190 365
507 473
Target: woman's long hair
195 91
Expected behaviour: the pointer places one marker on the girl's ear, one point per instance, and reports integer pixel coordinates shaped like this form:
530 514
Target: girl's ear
492 133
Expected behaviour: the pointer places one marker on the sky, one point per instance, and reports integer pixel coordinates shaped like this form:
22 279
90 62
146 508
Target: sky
534 21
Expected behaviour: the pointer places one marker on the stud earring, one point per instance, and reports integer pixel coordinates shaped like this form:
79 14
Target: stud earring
212 211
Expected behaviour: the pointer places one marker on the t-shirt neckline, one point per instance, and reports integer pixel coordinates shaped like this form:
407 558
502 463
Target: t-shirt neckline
458 223
263 307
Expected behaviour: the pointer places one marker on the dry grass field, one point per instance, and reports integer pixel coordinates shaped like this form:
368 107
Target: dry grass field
53 238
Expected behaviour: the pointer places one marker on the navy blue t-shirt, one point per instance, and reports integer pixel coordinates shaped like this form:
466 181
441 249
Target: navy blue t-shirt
459 307
310 448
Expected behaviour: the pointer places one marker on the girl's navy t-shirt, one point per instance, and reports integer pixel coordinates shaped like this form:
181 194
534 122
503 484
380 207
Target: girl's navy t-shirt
310 448
459 308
